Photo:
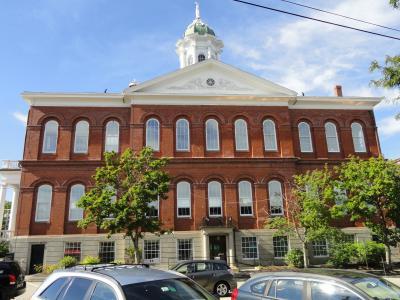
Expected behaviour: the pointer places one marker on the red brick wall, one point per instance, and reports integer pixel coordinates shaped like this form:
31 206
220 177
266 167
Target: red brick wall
64 168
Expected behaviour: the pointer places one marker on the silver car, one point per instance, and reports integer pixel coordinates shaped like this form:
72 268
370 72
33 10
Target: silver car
317 284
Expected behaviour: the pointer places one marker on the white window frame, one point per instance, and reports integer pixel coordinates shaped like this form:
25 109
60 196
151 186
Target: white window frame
156 205
216 183
178 249
274 246
183 198
241 248
153 132
108 147
73 246
39 202
318 244
332 136
270 135
212 122
241 202
303 137
186 127
47 135
270 197
82 132
241 135
152 260
72 202
107 245
360 137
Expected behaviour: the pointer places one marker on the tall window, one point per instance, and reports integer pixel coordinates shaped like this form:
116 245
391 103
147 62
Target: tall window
305 137
73 249
76 193
212 135
249 247
50 137
153 134
331 135
281 246
185 249
183 196
241 135
358 137
269 131
214 199
107 252
81 137
320 248
154 207
182 135
151 251
112 136
245 198
43 203
275 197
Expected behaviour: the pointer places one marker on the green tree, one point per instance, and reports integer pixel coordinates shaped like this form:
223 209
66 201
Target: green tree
395 3
308 210
373 197
124 187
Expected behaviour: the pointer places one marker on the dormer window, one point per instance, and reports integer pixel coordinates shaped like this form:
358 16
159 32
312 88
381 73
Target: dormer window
201 57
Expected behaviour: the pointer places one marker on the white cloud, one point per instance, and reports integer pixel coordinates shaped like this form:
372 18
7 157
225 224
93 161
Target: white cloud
23 118
388 126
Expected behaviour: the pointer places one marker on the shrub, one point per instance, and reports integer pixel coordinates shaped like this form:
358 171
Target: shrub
4 248
295 258
48 269
370 253
118 262
343 255
90 260
67 262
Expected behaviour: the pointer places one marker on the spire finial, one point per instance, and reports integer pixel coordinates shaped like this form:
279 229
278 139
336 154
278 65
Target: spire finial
197 11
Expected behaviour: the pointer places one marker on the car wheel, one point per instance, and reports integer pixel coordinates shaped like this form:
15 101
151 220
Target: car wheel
221 289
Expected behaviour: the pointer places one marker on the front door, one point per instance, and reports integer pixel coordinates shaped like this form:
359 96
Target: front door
37 255
217 247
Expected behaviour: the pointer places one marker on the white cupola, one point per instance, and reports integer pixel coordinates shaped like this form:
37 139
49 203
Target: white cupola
198 43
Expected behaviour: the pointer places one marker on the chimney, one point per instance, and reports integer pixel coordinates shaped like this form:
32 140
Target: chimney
338 91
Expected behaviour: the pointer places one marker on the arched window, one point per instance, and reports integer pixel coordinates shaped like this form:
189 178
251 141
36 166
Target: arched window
43 203
269 131
76 193
212 135
201 57
275 198
241 135
214 199
153 134
112 136
81 137
50 137
358 137
182 135
245 198
305 137
183 197
331 137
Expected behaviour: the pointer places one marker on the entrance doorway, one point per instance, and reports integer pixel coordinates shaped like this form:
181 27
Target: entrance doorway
217 247
37 256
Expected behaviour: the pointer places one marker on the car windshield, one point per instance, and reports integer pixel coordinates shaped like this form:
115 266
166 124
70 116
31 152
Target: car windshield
378 288
167 289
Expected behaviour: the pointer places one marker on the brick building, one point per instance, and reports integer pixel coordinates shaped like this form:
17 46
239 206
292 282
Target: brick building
234 140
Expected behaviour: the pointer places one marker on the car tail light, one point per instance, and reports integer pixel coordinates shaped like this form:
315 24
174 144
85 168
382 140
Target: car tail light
12 278
234 294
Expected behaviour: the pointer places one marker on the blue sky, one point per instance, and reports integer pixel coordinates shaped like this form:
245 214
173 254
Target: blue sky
91 45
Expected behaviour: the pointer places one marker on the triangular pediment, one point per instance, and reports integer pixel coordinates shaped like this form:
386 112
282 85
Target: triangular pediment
210 77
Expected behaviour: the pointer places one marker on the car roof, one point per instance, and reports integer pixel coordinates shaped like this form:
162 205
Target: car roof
202 261
127 274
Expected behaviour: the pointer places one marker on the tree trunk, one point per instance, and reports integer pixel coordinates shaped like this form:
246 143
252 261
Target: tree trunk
305 255
388 254
135 241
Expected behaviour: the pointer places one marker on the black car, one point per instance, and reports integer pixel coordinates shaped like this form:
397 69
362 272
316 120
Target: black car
317 284
12 280
214 275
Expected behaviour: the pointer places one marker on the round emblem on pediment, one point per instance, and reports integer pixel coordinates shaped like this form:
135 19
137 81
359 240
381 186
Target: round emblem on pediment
210 82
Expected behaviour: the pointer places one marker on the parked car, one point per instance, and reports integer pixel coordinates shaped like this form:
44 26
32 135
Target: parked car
214 275
12 280
316 284
119 282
